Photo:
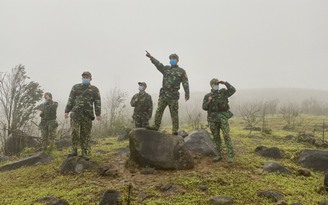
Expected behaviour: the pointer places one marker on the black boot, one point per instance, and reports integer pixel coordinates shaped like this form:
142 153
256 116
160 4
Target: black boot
85 154
73 153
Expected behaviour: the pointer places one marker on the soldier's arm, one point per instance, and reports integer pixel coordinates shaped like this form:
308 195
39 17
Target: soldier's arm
185 85
133 102
206 102
70 101
150 107
230 89
97 102
157 64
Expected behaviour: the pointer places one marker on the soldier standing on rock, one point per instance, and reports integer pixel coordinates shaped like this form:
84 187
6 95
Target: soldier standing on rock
143 106
169 95
48 124
216 104
83 99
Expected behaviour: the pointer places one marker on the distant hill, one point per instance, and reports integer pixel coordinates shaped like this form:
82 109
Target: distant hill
266 94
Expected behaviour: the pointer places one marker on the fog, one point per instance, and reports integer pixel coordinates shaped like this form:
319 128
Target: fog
251 44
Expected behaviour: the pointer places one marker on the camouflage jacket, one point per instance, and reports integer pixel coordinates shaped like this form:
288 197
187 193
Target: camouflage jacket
49 110
143 105
219 105
173 76
81 100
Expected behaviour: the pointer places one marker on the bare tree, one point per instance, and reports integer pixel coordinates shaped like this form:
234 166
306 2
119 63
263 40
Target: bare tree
195 118
18 98
250 112
290 112
115 115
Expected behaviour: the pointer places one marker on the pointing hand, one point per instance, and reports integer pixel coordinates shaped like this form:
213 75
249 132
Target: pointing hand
148 54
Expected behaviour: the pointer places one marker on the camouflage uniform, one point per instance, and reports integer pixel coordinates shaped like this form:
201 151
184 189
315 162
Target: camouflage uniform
218 115
169 94
48 124
143 108
80 103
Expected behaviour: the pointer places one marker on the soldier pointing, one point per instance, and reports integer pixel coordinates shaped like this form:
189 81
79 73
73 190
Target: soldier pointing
173 76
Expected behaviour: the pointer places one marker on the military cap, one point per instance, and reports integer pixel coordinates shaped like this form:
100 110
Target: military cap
86 74
49 94
143 84
214 81
174 56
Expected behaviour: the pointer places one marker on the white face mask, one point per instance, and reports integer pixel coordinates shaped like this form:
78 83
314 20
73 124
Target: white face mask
216 87
141 88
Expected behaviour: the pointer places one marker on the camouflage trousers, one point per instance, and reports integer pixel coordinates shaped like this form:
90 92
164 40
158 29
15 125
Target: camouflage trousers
174 108
140 121
48 133
81 131
215 129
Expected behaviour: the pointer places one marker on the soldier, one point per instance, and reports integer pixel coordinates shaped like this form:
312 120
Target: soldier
143 106
218 114
82 98
169 95
48 124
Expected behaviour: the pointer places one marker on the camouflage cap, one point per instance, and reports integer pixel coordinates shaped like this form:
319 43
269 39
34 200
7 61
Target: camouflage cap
86 74
143 84
49 94
174 56
214 81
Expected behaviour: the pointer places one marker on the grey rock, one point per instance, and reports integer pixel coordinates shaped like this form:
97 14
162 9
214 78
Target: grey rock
34 159
199 142
272 152
109 197
274 167
158 150
19 140
272 195
314 159
221 200
76 165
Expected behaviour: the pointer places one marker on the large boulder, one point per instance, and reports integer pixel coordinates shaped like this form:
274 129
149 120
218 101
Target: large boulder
17 141
159 150
314 159
199 142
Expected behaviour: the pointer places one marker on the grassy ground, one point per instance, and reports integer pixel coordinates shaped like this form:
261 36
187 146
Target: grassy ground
240 180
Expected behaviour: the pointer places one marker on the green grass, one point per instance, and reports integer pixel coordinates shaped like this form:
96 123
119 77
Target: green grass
240 180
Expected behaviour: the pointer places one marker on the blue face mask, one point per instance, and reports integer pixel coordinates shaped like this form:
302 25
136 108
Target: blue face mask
141 88
173 61
216 87
45 100
85 81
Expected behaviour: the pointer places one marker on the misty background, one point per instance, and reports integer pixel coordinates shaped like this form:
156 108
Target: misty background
280 45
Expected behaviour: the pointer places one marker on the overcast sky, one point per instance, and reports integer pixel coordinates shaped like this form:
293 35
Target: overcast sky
249 43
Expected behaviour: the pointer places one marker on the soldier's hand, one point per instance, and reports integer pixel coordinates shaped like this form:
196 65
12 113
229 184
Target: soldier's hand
148 54
210 98
186 98
98 118
66 115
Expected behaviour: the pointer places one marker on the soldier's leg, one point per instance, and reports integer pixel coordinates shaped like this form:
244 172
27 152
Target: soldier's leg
52 137
174 111
44 134
215 129
162 103
137 121
144 122
227 140
75 127
86 127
